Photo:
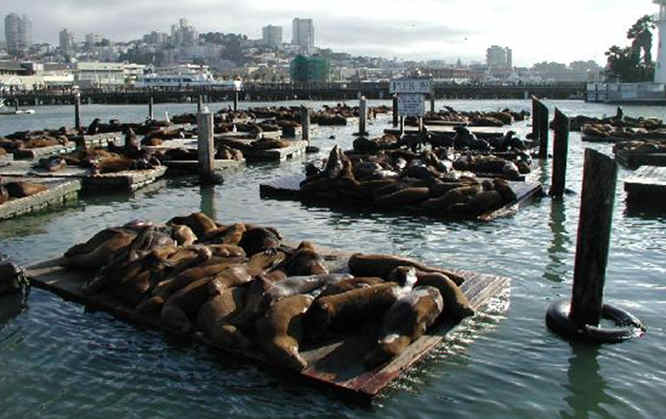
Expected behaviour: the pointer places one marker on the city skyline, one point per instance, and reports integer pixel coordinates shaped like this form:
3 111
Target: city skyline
563 32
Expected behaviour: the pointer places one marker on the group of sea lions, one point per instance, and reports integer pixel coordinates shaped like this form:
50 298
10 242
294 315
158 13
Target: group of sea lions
641 146
241 288
19 189
421 183
487 119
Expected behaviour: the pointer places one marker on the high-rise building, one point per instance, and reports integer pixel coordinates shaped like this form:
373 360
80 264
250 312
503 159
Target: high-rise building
509 57
498 57
66 41
18 34
92 39
303 35
272 35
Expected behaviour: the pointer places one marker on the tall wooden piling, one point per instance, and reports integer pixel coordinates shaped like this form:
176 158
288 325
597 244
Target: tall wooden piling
236 100
305 123
542 128
206 145
150 108
77 110
432 103
560 151
395 111
362 116
594 228
16 104
402 125
199 103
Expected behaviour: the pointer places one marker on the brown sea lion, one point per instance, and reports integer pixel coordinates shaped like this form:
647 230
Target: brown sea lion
405 321
23 189
381 265
52 164
231 235
461 195
305 261
215 320
350 284
485 201
456 305
502 186
99 250
226 250
258 239
280 331
202 225
182 307
403 197
184 235
349 309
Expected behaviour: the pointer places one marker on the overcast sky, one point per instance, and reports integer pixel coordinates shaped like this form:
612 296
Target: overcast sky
536 30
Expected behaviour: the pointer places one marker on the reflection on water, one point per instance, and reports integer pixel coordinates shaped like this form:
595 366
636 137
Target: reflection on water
587 389
208 201
557 252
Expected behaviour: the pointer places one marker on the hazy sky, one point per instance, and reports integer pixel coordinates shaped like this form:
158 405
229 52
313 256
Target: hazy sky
536 30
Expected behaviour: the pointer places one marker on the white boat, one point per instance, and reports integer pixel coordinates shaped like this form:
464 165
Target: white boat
188 79
4 110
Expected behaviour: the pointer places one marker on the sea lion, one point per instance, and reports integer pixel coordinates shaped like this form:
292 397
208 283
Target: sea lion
52 164
257 240
99 250
215 319
305 261
183 305
382 265
202 225
403 197
93 128
23 189
226 250
349 309
183 235
350 284
456 304
280 331
231 235
405 321
502 186
460 195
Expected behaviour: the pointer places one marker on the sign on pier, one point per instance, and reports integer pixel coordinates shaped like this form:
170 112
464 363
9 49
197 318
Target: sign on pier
411 105
410 86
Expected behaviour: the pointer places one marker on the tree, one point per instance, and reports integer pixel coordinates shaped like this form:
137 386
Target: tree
306 69
626 64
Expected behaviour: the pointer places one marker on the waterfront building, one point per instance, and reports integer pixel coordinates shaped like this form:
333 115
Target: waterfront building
66 39
303 35
18 34
272 36
99 74
499 57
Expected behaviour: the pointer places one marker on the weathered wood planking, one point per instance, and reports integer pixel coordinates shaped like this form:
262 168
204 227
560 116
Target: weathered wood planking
647 186
277 154
288 187
336 364
60 191
36 153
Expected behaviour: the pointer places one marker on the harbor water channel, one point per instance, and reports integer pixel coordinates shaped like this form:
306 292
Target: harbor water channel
58 360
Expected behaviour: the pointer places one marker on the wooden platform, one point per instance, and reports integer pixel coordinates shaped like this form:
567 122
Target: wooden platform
277 154
288 187
102 140
480 132
335 365
647 187
128 181
38 153
60 192
633 160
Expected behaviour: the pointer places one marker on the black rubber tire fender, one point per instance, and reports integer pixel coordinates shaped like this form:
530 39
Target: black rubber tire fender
628 325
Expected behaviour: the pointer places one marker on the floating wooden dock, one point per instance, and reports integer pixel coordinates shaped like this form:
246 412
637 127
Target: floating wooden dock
288 187
296 149
480 132
37 153
59 193
633 160
647 187
337 364
128 181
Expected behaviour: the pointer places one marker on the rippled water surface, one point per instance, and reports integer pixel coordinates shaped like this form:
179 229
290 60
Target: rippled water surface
58 360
